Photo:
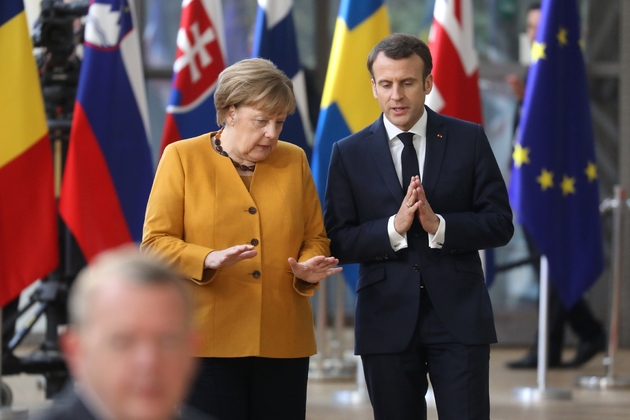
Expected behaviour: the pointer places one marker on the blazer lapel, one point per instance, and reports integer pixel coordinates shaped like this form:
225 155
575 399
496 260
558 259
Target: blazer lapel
436 147
379 147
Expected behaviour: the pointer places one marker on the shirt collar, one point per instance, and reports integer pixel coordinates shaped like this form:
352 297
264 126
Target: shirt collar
419 128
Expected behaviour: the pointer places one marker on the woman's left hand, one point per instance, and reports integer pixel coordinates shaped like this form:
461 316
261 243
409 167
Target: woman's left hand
316 269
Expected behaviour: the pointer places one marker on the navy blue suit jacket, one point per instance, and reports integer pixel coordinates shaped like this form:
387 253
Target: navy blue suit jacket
463 184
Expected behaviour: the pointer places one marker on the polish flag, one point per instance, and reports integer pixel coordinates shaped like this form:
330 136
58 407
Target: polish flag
455 62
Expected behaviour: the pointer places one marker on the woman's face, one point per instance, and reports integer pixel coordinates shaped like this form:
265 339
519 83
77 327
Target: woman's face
255 132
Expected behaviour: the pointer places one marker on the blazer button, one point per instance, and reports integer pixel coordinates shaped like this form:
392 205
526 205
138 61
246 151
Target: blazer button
252 210
416 267
254 242
256 274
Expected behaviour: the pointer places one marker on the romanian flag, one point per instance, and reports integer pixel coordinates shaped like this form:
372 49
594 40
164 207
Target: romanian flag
109 169
199 58
455 62
28 217
553 187
275 40
347 101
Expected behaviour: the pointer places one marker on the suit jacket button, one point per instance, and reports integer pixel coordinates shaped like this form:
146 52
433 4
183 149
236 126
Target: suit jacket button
252 210
254 242
256 274
385 257
416 267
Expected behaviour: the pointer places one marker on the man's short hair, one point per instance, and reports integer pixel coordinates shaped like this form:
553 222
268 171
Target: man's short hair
125 264
399 46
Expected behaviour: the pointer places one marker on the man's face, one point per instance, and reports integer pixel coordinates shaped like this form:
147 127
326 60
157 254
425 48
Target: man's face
533 16
133 354
399 89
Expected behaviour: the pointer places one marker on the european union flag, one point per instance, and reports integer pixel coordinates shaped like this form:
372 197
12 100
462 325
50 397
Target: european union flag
554 188
347 102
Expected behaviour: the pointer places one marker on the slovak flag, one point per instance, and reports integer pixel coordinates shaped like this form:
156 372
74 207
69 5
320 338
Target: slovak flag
199 58
455 61
109 168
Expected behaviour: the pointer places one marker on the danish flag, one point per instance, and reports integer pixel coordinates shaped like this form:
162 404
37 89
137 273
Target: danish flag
455 62
199 59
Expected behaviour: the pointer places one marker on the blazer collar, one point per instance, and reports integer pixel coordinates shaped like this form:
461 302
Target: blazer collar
377 142
437 135
436 147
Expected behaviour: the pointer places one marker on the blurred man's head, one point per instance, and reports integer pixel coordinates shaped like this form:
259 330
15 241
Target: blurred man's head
533 16
129 342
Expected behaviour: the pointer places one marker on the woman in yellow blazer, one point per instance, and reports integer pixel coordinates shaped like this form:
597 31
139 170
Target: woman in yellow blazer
238 213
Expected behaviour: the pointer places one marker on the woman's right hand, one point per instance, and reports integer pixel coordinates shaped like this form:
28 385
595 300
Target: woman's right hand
229 256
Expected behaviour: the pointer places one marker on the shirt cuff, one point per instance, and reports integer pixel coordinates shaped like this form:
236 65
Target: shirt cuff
436 240
396 240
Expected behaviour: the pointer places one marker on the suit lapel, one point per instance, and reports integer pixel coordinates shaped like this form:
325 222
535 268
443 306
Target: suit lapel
379 147
436 147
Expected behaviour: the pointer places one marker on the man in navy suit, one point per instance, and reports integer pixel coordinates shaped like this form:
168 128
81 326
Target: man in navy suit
412 198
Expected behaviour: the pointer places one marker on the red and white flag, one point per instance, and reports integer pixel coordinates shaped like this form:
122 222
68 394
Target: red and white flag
455 62
199 59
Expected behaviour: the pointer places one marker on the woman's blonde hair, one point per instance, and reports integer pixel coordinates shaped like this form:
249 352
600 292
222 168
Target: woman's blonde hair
254 82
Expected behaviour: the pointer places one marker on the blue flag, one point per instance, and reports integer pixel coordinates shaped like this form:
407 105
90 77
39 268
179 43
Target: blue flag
109 168
275 40
347 101
554 187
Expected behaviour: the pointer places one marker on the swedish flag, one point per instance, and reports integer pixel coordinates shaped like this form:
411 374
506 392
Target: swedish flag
554 188
347 102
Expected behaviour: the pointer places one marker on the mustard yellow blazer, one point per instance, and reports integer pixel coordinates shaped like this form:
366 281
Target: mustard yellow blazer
199 203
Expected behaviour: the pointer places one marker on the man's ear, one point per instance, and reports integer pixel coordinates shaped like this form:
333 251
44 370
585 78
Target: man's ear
374 89
428 84
70 346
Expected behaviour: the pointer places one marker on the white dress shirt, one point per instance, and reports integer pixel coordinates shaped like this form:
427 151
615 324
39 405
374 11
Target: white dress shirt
396 146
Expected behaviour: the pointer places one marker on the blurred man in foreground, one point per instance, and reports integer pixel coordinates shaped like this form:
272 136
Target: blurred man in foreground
129 342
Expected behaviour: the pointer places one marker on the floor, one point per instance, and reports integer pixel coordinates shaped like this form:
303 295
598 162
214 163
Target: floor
338 397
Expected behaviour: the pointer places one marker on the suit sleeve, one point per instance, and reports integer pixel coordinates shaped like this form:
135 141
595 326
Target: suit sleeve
352 240
164 221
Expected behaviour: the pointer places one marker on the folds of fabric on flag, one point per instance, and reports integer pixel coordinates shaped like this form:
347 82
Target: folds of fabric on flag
455 62
109 169
199 58
456 74
554 187
347 101
28 214
275 40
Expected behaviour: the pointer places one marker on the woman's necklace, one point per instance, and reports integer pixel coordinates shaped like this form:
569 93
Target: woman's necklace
219 149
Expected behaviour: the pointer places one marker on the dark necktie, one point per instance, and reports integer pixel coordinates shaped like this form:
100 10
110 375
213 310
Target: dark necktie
409 160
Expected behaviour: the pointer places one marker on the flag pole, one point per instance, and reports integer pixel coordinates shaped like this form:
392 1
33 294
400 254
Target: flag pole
609 380
542 392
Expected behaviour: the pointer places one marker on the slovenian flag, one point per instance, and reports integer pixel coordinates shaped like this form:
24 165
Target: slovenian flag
275 40
109 169
199 58
28 216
